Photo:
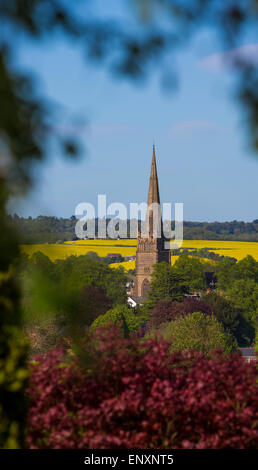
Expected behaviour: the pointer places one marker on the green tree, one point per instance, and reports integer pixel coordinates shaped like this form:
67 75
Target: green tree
191 270
76 272
199 332
247 268
232 318
123 315
244 294
226 273
69 288
166 284
224 310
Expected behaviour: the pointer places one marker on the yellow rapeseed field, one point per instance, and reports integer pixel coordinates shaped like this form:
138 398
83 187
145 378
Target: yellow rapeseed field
54 251
236 250
127 247
126 265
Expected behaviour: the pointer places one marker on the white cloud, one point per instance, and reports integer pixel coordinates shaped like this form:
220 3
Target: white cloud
227 60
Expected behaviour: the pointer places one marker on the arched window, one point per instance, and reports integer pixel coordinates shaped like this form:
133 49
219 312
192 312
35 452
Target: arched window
145 287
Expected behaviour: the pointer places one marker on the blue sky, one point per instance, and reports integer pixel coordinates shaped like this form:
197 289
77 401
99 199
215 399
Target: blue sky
202 152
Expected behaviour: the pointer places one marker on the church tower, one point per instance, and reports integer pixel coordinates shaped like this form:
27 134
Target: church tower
150 243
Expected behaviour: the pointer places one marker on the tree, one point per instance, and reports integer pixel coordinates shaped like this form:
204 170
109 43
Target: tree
226 273
198 332
245 332
247 268
75 272
244 294
191 270
92 304
137 394
79 288
223 310
166 284
165 311
232 314
122 316
54 230
41 262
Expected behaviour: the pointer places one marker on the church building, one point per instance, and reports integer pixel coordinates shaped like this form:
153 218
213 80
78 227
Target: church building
150 247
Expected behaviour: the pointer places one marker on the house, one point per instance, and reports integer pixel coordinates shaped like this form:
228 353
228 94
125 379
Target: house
133 300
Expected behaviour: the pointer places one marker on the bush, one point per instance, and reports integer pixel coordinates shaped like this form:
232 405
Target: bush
135 394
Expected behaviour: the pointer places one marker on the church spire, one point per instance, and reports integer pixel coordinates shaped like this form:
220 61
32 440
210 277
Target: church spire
153 194
150 244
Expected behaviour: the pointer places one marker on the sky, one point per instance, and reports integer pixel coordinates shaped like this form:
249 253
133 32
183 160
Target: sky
202 151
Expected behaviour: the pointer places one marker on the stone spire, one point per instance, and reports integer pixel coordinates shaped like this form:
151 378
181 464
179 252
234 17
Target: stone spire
153 217
153 195
150 244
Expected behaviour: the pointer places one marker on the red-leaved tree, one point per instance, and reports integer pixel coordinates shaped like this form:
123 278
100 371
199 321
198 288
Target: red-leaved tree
164 311
93 303
134 394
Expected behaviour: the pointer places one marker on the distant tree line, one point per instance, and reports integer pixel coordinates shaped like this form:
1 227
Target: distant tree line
48 229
